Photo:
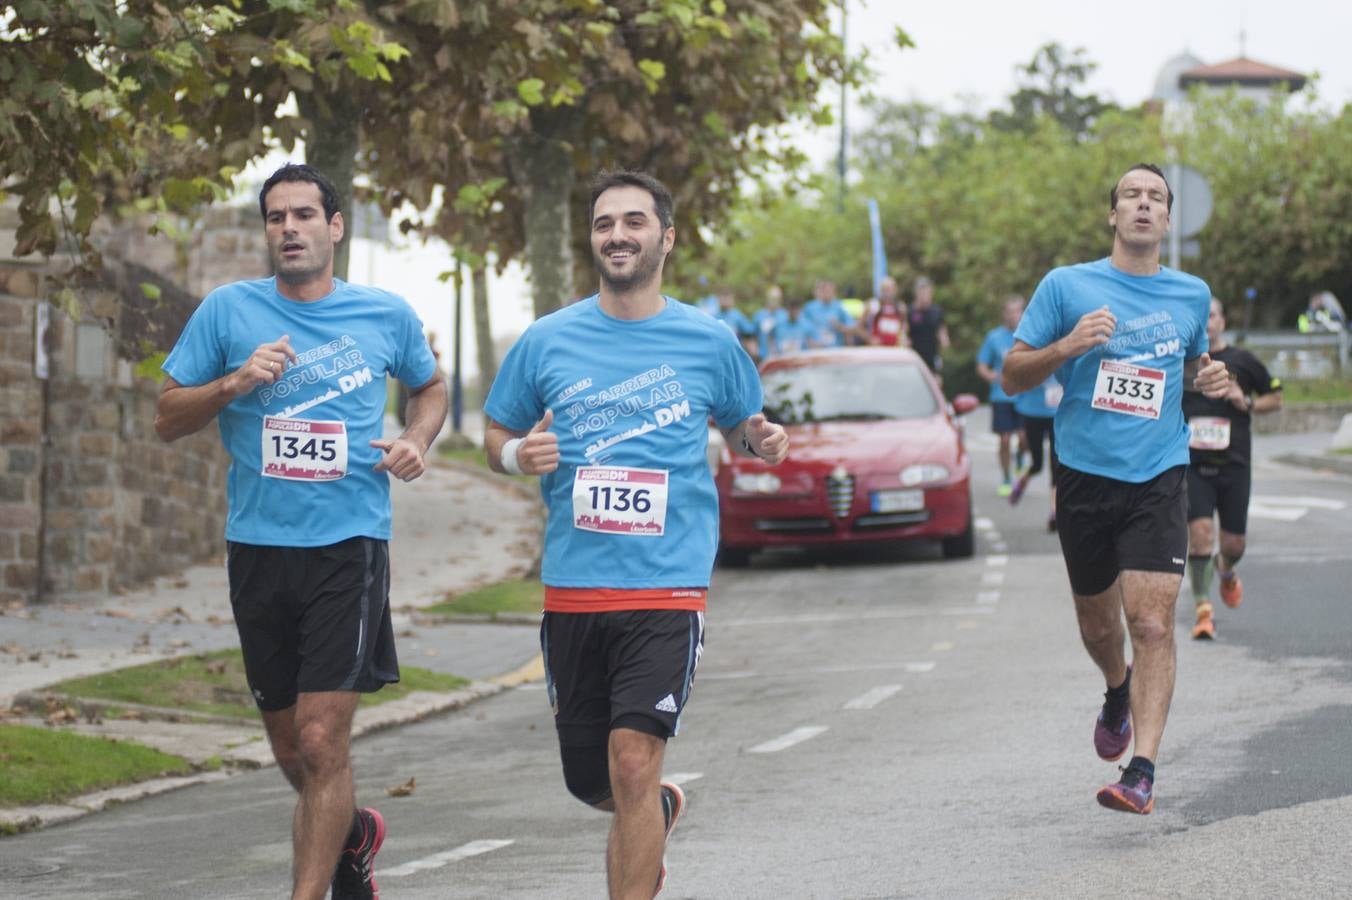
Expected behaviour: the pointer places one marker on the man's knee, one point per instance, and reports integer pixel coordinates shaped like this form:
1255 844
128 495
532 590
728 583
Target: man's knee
586 773
1232 547
321 746
1200 537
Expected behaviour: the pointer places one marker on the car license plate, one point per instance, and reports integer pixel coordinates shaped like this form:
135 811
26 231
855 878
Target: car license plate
898 501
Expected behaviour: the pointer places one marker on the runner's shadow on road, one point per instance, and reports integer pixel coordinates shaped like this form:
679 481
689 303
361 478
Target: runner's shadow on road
858 556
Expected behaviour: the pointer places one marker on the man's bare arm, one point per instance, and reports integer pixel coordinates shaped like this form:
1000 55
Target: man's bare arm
182 410
1026 367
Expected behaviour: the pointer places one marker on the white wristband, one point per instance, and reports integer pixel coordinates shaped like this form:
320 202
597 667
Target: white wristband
509 460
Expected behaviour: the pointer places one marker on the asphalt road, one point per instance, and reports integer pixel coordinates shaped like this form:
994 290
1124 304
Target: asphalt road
863 726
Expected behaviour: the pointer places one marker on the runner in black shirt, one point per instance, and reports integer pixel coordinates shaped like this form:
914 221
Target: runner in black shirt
1218 478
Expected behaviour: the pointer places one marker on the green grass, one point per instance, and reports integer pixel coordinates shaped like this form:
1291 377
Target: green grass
214 684
471 456
1317 390
520 596
47 765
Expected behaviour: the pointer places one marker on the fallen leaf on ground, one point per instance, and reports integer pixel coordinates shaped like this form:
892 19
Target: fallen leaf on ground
404 789
217 667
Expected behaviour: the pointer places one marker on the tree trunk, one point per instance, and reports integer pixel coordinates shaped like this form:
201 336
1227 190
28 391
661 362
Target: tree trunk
542 163
483 334
331 146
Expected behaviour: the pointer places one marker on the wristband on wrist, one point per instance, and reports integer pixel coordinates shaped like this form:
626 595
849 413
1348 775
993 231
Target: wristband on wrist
510 463
746 445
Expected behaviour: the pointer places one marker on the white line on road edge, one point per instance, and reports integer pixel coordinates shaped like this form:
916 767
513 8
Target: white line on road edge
1317 502
999 546
437 860
913 667
984 524
993 578
1280 513
784 741
870 699
941 646
682 777
997 560
988 597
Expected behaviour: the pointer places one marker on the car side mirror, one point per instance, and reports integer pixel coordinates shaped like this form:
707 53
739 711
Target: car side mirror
965 403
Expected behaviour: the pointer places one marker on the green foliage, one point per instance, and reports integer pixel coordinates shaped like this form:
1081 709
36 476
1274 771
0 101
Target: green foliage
46 765
519 596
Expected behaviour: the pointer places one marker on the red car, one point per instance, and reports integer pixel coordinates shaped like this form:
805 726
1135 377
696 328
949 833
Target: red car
875 455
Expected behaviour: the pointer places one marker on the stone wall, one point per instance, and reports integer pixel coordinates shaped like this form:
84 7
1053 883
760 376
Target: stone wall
91 501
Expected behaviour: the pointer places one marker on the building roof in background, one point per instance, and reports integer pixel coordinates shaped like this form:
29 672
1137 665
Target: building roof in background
1241 71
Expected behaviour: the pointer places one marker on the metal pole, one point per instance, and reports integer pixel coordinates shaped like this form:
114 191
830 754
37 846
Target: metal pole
457 396
844 131
1175 227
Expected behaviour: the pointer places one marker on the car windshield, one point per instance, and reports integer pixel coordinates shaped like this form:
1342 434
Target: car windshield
841 392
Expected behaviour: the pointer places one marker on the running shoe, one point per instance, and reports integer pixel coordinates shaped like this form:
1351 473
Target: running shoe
1133 793
1112 731
673 802
1016 493
1232 591
1004 489
1205 629
355 878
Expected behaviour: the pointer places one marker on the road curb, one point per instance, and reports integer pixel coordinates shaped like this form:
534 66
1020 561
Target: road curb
255 755
1324 463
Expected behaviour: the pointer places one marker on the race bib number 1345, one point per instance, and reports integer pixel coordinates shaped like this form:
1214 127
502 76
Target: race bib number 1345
304 449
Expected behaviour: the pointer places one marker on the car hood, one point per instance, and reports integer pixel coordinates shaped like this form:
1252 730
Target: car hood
894 441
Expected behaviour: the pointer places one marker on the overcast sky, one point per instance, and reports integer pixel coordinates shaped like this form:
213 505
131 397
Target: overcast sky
966 53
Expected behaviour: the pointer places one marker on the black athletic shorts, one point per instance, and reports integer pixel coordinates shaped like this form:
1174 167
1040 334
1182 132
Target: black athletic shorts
1222 488
628 669
1004 419
1106 526
313 618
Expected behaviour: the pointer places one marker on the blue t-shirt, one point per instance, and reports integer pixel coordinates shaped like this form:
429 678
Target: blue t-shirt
765 321
736 320
823 314
635 394
992 354
1161 322
347 343
1041 402
792 335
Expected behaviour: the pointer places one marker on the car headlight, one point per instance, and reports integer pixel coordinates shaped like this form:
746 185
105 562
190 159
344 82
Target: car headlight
755 483
924 473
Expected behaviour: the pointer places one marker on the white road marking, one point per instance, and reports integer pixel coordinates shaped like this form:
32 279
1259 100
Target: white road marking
941 646
1280 513
997 560
682 777
784 741
1315 502
912 667
999 546
872 698
984 524
992 579
862 616
438 860
988 597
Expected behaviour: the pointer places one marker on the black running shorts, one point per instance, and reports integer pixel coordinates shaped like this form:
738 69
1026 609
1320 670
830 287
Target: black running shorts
1107 526
1004 419
313 618
1223 488
628 669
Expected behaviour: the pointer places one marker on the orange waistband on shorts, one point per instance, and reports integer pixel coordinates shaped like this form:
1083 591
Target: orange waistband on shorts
587 600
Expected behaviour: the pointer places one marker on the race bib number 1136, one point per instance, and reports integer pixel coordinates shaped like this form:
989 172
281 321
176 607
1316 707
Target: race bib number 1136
616 500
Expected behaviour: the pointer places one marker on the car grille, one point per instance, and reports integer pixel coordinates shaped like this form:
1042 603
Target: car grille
840 493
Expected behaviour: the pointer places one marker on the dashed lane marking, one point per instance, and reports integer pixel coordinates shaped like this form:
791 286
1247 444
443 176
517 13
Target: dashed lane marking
993 579
984 524
785 741
872 698
1313 502
438 860
915 668
999 546
987 597
682 777
941 646
997 560
862 616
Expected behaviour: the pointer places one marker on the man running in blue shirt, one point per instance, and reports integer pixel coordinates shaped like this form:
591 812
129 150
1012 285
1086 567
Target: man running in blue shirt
1125 337
618 439
990 360
293 368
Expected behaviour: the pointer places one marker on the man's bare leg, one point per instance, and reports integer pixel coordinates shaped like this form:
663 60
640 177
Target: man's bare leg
638 832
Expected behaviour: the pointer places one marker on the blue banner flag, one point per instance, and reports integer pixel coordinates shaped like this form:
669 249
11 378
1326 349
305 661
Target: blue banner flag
879 255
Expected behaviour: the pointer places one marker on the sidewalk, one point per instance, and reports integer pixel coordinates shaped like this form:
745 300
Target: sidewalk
455 529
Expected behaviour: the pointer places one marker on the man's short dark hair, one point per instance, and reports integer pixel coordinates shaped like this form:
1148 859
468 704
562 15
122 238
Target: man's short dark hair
605 180
301 172
1149 167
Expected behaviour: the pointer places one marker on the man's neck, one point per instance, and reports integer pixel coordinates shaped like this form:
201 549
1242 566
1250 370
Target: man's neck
641 303
1136 260
307 291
